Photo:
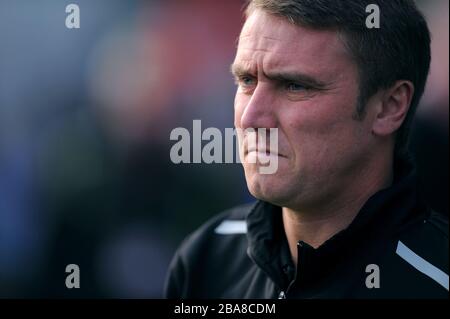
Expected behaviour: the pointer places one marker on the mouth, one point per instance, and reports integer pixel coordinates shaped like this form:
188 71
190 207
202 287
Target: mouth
255 151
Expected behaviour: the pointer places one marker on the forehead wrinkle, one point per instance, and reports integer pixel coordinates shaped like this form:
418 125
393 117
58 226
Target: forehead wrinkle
279 57
284 35
263 37
293 48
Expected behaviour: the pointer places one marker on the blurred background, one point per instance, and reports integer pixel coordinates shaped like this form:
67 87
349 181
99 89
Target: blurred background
85 119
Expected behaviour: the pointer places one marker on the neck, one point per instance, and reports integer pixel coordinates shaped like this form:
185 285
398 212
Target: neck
318 224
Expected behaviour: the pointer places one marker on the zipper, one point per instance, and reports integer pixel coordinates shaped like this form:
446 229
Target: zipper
300 253
283 293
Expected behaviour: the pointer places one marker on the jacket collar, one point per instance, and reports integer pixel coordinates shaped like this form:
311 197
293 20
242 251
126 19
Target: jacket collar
389 210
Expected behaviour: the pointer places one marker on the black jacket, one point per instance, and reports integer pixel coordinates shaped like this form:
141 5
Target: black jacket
395 243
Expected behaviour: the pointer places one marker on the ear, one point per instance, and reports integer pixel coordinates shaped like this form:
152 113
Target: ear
392 110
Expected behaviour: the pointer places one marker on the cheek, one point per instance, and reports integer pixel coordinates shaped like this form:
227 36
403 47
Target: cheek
307 123
326 146
316 130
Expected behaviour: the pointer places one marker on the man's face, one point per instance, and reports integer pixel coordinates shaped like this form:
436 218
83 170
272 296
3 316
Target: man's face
305 83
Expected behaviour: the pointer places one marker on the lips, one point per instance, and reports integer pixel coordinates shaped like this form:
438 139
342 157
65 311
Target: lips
266 152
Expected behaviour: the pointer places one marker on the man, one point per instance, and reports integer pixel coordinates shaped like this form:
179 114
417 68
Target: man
340 218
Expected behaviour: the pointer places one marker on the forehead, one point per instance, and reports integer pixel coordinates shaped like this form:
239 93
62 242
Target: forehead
276 42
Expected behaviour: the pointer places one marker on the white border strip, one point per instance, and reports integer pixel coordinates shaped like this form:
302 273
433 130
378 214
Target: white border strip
229 227
422 265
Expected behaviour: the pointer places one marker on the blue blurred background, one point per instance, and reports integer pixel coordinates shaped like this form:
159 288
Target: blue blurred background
85 119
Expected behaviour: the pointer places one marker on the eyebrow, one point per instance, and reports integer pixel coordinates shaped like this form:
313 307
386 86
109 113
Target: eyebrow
238 70
296 77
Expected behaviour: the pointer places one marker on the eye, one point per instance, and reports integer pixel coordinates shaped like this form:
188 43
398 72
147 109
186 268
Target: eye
295 87
247 81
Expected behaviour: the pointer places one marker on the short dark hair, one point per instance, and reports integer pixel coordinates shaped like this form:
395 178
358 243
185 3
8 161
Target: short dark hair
398 50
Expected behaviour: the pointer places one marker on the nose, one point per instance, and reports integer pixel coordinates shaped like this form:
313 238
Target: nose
259 111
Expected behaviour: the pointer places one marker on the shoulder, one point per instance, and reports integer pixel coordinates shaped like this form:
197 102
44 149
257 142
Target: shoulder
424 248
226 226
430 235
204 251
438 223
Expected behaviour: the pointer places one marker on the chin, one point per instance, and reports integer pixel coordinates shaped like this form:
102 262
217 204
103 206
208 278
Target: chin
267 188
